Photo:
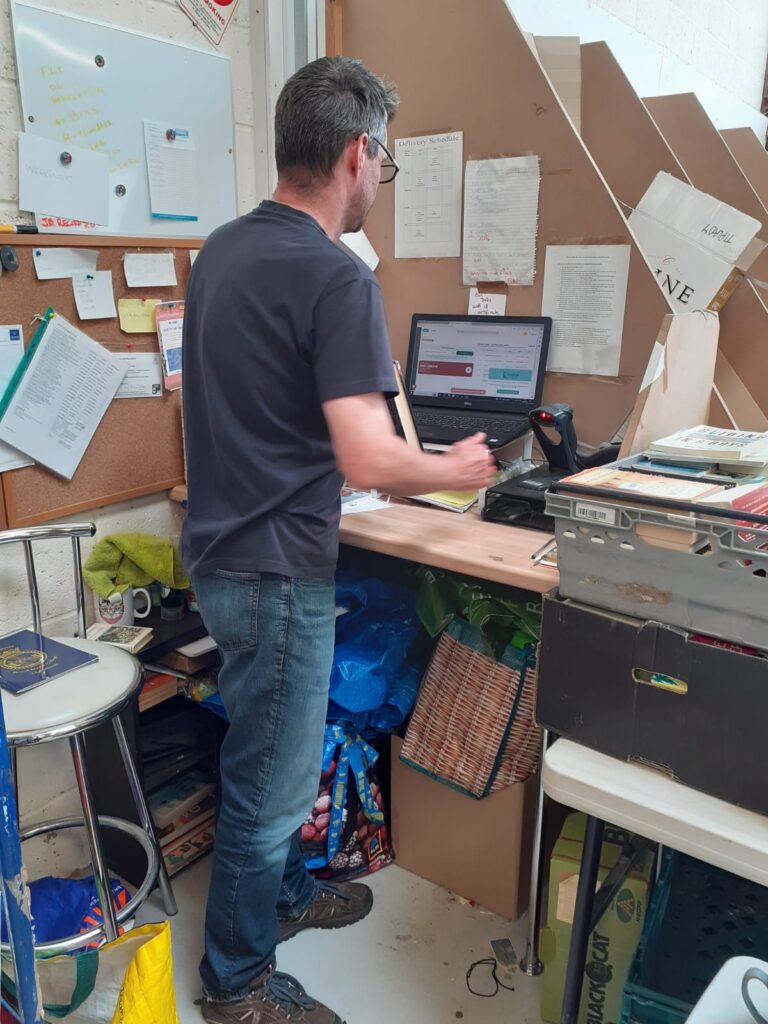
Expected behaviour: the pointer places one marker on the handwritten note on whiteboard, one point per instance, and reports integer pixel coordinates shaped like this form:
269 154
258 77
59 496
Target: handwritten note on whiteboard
501 202
428 196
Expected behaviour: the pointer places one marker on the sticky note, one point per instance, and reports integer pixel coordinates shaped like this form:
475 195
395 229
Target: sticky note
94 297
137 316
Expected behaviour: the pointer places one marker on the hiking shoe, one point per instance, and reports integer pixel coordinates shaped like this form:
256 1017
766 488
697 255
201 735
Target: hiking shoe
334 906
276 998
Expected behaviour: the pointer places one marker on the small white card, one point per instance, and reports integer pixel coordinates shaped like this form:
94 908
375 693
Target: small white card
62 179
149 269
487 303
94 297
53 264
143 375
193 253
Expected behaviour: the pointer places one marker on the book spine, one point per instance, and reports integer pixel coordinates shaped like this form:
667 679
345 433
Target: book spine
26 359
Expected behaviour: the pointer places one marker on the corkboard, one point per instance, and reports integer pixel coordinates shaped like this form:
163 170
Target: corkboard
467 66
618 130
751 156
137 448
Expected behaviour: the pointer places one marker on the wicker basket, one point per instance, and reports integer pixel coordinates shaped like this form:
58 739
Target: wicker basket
473 725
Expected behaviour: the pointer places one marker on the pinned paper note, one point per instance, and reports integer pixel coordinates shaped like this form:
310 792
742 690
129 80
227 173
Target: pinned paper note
137 316
94 297
193 254
143 375
358 242
63 179
11 351
172 170
501 202
52 264
487 303
149 269
428 196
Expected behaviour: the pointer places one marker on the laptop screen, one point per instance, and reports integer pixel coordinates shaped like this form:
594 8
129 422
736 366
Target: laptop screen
478 362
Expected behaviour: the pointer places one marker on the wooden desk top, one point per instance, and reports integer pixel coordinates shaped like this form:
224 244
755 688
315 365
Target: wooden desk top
448 540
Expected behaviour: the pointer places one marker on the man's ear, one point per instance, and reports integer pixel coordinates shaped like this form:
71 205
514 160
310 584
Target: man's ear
361 148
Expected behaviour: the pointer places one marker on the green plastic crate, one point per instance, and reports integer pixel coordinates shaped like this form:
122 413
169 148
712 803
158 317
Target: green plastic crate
698 917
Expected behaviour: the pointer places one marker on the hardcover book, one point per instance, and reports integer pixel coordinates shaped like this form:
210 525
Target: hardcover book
28 659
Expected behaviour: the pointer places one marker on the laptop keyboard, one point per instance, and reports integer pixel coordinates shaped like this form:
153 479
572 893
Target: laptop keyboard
467 423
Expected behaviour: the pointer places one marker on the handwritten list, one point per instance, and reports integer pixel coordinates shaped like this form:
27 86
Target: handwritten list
501 202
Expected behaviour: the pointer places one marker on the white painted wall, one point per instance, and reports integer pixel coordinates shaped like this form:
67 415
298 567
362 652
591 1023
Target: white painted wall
47 785
715 48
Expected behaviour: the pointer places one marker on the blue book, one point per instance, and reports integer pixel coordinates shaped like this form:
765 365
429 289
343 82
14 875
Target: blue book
28 659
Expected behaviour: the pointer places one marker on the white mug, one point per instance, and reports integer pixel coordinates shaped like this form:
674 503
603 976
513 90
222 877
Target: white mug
120 610
753 974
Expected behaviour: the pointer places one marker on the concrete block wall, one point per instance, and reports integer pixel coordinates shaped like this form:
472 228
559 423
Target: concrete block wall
47 783
715 48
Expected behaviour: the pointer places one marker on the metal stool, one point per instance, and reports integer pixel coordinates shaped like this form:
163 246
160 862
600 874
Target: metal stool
66 708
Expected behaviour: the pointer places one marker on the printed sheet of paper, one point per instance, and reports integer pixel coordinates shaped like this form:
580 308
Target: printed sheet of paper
172 170
149 269
585 290
11 351
358 242
428 196
501 211
137 316
211 17
53 264
169 317
143 375
78 189
62 398
193 254
487 303
94 297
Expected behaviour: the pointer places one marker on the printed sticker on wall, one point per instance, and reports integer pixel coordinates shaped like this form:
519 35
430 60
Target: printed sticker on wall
212 17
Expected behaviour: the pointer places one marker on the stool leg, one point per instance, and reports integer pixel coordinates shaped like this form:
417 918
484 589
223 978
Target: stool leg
100 869
163 881
14 758
582 917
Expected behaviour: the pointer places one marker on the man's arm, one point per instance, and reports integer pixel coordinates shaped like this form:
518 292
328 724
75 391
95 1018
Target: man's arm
371 455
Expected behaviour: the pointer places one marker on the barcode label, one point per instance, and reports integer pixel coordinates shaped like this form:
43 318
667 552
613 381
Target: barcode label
596 513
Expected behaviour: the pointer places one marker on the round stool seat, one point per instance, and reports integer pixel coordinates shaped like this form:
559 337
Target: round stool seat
76 700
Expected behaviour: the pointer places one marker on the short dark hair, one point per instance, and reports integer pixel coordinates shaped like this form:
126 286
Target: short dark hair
324 105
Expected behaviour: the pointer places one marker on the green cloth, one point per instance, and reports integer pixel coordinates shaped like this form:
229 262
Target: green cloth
124 560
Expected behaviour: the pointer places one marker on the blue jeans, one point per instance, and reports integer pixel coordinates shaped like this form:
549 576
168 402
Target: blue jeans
276 639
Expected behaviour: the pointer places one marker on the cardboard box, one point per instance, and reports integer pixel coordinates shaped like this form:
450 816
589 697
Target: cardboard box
479 849
612 944
692 707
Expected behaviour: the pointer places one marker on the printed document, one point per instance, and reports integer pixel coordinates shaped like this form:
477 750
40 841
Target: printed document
53 264
149 269
501 210
358 242
11 351
428 196
94 297
61 398
585 290
169 317
79 188
172 170
143 375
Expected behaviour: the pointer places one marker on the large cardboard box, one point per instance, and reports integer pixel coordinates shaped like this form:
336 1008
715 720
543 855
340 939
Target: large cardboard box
479 849
691 707
612 944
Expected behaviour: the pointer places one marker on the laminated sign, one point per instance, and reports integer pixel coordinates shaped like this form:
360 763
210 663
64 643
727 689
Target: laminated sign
211 16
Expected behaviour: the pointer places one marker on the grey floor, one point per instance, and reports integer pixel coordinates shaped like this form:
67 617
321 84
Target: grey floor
405 964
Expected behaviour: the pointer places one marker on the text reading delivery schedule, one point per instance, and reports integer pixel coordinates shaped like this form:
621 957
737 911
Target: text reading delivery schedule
483 360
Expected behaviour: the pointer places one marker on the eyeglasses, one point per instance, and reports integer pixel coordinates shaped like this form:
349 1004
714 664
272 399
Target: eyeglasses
390 168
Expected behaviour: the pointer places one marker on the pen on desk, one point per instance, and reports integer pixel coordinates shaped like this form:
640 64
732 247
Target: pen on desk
19 229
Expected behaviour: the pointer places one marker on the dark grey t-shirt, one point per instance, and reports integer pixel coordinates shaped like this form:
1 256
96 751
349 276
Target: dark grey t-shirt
278 319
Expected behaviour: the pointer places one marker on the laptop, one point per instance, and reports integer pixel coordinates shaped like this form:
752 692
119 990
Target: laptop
475 373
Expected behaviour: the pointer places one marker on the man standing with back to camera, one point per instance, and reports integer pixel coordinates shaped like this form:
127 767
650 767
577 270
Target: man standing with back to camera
286 369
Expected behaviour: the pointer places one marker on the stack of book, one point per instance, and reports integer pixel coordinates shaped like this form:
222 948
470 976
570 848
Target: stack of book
156 689
184 813
741 451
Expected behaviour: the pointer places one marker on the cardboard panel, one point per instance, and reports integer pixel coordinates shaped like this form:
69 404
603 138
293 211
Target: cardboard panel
751 156
137 448
617 129
468 67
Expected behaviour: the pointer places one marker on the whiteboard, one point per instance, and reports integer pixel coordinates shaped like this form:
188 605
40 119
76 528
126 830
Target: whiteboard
92 85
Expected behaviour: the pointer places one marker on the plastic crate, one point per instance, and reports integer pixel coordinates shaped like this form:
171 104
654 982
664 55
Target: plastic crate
698 917
719 588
